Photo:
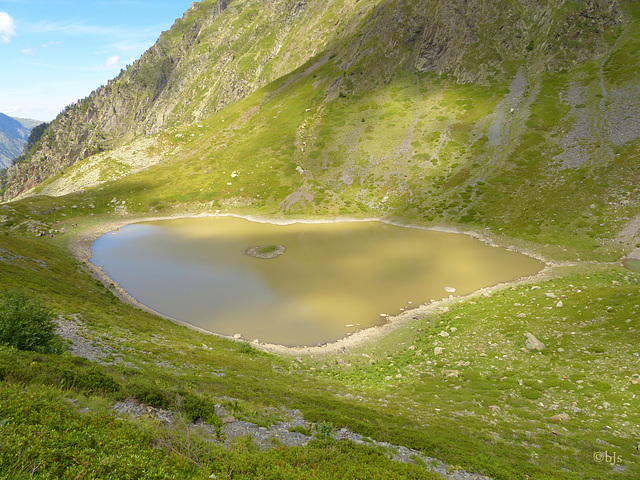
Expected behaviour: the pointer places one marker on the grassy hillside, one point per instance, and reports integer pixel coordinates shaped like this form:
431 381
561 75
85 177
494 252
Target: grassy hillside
485 404
423 112
547 155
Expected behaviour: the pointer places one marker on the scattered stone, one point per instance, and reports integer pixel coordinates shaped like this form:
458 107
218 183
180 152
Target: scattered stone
135 409
451 373
635 378
438 351
550 295
521 315
449 289
560 417
85 345
560 350
237 336
443 334
407 455
494 408
532 343
229 419
559 304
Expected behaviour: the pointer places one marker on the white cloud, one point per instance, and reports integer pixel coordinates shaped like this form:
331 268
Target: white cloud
52 43
113 61
9 110
29 51
7 28
71 28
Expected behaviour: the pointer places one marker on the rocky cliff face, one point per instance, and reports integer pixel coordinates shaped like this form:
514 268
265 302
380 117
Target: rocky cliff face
216 53
221 51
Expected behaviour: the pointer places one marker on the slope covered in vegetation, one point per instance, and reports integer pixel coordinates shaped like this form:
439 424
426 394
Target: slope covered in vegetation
524 123
475 398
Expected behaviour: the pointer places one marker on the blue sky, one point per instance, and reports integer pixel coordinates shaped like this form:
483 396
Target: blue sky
55 52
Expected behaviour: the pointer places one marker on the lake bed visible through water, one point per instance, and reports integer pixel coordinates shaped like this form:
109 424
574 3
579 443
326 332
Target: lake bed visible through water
333 278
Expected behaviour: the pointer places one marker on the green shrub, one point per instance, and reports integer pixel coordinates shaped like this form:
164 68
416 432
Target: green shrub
324 429
300 429
196 408
149 395
244 347
26 324
89 380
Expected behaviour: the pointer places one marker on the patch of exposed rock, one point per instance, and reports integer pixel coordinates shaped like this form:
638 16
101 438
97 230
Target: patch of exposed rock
266 251
73 330
280 434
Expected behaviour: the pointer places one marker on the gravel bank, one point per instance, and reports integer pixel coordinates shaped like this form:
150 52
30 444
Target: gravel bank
80 247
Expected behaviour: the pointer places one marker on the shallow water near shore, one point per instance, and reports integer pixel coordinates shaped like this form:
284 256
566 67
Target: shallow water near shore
334 278
632 264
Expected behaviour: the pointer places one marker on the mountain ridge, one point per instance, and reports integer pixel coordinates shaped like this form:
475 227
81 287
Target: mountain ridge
441 49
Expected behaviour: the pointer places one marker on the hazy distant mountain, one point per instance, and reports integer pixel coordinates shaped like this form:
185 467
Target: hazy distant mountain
28 122
14 134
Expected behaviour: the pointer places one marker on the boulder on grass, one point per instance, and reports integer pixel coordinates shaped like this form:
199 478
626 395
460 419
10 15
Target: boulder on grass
532 343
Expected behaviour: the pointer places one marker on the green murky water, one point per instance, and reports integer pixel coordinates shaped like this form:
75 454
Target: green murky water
632 264
334 278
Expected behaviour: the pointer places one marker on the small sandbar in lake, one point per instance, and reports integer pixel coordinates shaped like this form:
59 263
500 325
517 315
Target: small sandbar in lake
332 279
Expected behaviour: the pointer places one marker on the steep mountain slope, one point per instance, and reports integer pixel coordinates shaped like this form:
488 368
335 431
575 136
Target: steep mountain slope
481 112
217 53
13 136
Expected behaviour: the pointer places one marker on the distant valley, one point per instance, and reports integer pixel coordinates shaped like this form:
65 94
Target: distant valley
14 133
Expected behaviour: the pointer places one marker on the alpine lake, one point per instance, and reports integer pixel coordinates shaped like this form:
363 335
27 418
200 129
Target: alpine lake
297 284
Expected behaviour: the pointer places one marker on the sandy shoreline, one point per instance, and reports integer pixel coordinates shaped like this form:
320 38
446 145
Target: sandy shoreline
80 248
